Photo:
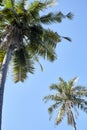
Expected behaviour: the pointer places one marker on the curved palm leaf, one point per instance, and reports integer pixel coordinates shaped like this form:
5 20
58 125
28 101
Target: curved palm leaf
22 65
60 115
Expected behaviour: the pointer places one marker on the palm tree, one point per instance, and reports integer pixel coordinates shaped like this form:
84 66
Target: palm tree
67 99
23 39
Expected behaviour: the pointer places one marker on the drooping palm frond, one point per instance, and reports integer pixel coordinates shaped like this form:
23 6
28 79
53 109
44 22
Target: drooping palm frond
50 38
46 53
52 108
35 58
22 65
44 42
81 104
60 115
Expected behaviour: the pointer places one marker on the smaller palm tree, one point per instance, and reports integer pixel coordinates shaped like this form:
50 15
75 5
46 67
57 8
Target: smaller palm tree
67 99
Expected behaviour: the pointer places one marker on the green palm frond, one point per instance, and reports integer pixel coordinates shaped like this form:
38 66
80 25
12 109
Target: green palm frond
22 65
60 115
53 87
8 15
37 60
51 38
37 6
8 3
81 104
62 84
21 3
48 54
52 18
61 80
80 91
56 98
44 42
34 9
49 97
52 108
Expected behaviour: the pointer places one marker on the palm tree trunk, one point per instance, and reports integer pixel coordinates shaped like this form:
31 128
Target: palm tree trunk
3 75
74 128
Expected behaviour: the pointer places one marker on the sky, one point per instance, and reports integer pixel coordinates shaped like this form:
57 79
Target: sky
23 108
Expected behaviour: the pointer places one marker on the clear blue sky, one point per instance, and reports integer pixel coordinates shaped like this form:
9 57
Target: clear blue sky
23 106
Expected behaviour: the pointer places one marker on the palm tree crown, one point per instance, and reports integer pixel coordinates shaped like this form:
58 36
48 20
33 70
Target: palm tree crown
21 29
67 99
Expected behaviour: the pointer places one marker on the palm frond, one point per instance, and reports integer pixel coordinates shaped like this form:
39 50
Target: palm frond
21 4
52 108
80 91
51 38
69 15
51 2
37 60
71 83
60 115
53 87
22 65
52 18
9 15
34 9
62 83
8 3
44 42
67 38
81 104
49 97
37 6
61 80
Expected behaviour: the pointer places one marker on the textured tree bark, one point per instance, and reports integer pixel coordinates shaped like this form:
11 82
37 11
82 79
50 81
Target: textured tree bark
3 75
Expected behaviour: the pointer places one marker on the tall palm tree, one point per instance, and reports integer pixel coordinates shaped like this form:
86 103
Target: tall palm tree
66 101
23 39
